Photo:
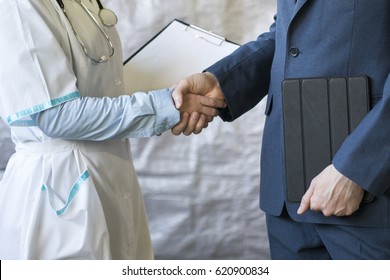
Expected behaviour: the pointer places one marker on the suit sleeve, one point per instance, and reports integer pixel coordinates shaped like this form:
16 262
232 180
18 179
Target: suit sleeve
364 156
245 74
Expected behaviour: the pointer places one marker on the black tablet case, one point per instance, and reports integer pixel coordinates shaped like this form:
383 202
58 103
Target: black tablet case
318 114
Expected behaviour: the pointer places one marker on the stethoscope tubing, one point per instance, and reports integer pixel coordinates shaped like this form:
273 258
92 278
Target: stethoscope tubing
97 1
102 31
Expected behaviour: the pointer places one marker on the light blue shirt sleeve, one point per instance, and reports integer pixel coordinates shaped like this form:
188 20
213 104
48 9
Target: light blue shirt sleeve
97 119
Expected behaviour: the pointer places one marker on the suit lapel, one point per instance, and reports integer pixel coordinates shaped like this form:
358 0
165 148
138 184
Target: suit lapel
299 5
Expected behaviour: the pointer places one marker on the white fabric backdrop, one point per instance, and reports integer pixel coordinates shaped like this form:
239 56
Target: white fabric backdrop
201 192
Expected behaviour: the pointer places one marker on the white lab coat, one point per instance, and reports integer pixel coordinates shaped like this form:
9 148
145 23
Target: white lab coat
63 199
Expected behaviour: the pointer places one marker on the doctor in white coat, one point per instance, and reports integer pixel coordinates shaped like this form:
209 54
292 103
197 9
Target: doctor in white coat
70 190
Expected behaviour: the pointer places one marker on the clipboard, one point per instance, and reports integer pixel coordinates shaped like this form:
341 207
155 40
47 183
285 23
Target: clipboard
179 50
318 114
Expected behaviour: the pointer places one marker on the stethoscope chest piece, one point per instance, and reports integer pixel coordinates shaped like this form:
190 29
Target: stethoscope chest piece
108 17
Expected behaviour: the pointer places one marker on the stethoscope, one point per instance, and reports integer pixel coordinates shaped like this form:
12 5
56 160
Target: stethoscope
107 17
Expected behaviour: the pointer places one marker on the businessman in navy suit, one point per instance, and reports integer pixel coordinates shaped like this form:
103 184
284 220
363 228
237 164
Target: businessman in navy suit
315 38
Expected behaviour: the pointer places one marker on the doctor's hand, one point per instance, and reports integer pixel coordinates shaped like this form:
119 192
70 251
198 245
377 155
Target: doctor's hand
206 87
332 193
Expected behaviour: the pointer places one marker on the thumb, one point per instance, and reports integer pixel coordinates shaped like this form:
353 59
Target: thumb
180 89
305 202
177 97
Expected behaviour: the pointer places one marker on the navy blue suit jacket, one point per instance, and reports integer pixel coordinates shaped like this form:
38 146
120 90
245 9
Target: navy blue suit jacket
317 38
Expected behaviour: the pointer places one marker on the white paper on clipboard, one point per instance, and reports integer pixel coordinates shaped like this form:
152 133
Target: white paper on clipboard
177 51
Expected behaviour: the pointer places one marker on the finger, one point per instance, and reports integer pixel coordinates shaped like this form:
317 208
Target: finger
191 123
180 88
182 125
208 118
201 124
305 202
205 125
213 102
177 98
208 111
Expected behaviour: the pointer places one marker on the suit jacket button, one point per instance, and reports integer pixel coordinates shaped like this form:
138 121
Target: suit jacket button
294 52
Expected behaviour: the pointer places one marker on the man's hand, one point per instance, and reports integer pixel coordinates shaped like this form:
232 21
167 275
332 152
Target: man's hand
201 83
332 193
198 98
201 104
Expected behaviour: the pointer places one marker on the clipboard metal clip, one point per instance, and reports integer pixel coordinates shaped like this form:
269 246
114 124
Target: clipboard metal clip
205 35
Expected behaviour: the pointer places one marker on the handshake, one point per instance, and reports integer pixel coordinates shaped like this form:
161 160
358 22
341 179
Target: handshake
198 97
